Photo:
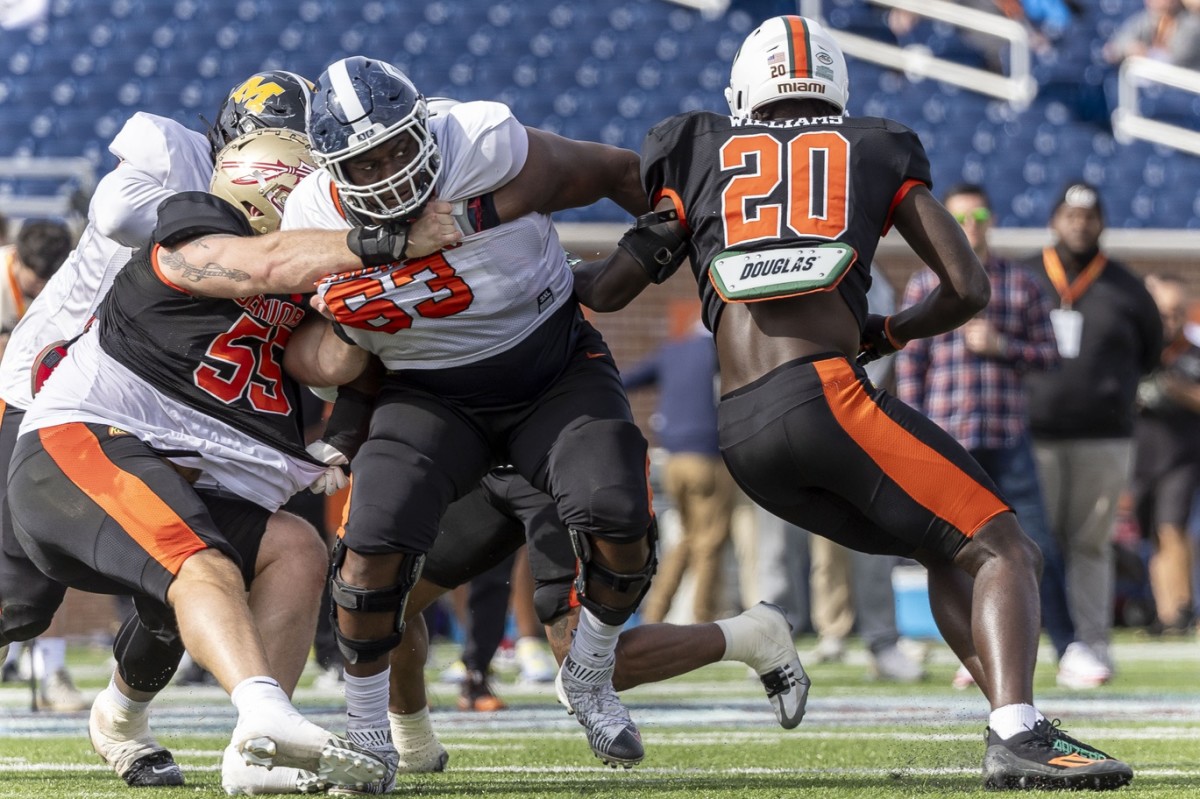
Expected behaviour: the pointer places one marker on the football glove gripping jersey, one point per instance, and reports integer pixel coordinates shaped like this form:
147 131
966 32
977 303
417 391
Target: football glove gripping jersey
877 340
378 245
334 478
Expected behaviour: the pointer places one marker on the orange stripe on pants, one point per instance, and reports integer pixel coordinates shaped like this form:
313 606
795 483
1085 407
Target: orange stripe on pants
922 472
122 495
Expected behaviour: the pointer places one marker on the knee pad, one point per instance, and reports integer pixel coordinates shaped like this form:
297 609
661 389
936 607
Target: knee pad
552 601
610 498
371 600
634 584
24 622
147 659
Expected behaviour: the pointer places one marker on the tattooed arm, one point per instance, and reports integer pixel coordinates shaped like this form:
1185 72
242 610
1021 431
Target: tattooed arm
243 266
291 261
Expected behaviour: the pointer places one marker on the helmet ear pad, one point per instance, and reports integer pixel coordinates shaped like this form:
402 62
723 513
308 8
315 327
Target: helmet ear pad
359 105
787 57
257 172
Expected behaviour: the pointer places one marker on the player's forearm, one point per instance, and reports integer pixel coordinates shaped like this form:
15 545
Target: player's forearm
243 266
610 284
316 356
942 310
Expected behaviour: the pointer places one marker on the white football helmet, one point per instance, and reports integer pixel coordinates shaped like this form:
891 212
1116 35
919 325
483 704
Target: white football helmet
258 170
787 57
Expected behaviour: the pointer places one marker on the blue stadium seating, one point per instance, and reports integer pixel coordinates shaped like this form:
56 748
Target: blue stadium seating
599 71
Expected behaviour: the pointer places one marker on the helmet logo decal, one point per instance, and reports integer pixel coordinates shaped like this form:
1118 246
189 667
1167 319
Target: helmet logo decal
264 171
254 93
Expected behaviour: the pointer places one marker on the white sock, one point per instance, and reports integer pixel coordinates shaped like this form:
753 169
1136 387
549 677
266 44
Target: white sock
14 652
595 642
1010 720
129 706
366 709
49 655
410 726
253 692
739 637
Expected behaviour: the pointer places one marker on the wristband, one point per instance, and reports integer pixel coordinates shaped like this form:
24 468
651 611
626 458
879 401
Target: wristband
378 245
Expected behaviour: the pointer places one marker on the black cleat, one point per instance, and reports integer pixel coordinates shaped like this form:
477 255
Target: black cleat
1047 758
154 771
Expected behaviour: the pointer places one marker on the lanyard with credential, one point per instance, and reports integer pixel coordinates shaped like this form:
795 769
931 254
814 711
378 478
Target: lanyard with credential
18 297
1071 291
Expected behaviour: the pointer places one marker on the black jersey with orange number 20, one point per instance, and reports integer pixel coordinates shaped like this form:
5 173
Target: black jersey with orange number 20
744 185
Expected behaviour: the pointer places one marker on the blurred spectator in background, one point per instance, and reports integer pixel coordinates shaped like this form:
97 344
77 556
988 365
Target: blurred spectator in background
1165 30
685 424
1109 334
1167 460
40 249
971 382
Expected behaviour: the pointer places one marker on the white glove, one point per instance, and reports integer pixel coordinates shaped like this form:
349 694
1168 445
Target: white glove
331 481
334 478
326 453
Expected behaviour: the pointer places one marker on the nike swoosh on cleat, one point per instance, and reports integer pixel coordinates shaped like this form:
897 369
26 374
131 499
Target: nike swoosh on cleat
163 769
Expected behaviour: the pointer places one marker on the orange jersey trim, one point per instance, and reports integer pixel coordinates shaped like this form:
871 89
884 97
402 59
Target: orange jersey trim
922 472
122 495
143 514
337 199
158 271
669 194
901 193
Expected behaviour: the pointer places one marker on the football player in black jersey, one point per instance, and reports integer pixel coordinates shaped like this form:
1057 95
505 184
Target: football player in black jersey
779 207
171 425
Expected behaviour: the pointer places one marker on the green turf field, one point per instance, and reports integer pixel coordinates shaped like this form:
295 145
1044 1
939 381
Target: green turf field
710 734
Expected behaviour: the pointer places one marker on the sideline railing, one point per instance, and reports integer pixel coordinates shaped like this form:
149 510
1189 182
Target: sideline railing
1018 87
76 175
1127 120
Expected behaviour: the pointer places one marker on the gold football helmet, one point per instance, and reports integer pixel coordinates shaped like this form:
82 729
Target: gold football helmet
258 170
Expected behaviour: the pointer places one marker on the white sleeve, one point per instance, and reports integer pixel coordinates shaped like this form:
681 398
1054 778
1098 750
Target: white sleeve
159 157
310 205
483 147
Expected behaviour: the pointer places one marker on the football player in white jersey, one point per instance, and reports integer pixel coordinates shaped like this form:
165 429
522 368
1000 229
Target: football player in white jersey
488 361
172 425
159 158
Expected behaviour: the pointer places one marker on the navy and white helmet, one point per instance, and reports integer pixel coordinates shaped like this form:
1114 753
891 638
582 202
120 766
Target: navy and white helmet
359 104
271 99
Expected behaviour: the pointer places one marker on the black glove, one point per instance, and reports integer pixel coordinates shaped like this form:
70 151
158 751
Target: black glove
876 342
378 245
349 421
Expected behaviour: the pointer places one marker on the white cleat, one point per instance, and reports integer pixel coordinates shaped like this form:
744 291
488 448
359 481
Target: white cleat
417 745
239 779
588 694
124 742
293 741
422 759
777 664
379 743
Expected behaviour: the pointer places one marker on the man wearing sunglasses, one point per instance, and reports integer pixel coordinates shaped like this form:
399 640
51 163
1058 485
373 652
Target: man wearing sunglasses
970 381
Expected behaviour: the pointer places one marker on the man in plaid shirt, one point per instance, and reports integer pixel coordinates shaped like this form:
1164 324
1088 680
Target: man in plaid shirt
970 382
